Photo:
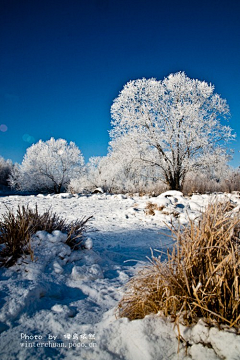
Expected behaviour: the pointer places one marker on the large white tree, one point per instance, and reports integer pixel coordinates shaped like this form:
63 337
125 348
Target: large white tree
175 124
48 166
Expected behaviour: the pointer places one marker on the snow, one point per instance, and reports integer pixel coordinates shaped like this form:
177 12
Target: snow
88 244
224 344
171 193
63 304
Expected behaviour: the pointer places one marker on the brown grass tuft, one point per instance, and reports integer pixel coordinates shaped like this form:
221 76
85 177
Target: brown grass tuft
17 228
200 278
151 208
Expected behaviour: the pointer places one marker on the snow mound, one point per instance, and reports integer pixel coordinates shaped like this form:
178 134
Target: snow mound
98 190
86 273
210 343
88 244
171 193
160 201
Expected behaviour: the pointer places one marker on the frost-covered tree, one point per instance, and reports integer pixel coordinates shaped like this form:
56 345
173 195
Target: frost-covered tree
120 171
174 124
98 172
131 173
48 166
91 177
6 167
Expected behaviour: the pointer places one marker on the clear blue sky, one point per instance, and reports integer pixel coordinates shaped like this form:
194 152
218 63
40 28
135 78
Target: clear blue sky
63 62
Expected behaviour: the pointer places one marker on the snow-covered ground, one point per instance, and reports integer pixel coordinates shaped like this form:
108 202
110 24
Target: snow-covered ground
62 305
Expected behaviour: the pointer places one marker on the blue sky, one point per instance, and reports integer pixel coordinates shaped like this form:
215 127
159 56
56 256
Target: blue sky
62 63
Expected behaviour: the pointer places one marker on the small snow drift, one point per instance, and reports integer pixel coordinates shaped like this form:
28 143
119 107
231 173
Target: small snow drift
173 193
98 190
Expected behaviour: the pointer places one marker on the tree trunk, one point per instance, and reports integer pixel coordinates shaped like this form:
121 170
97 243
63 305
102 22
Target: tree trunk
57 188
174 181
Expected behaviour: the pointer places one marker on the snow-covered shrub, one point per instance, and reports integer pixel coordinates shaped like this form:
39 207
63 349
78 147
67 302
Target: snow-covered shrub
199 278
115 173
232 181
227 181
17 228
48 166
96 174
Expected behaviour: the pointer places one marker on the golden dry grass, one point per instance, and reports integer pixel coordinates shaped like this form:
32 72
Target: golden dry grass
200 278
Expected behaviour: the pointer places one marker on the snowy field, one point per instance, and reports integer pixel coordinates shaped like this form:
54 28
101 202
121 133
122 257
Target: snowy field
63 305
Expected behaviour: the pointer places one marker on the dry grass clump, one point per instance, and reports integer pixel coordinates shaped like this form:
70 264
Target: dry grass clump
151 208
17 228
200 278
75 231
